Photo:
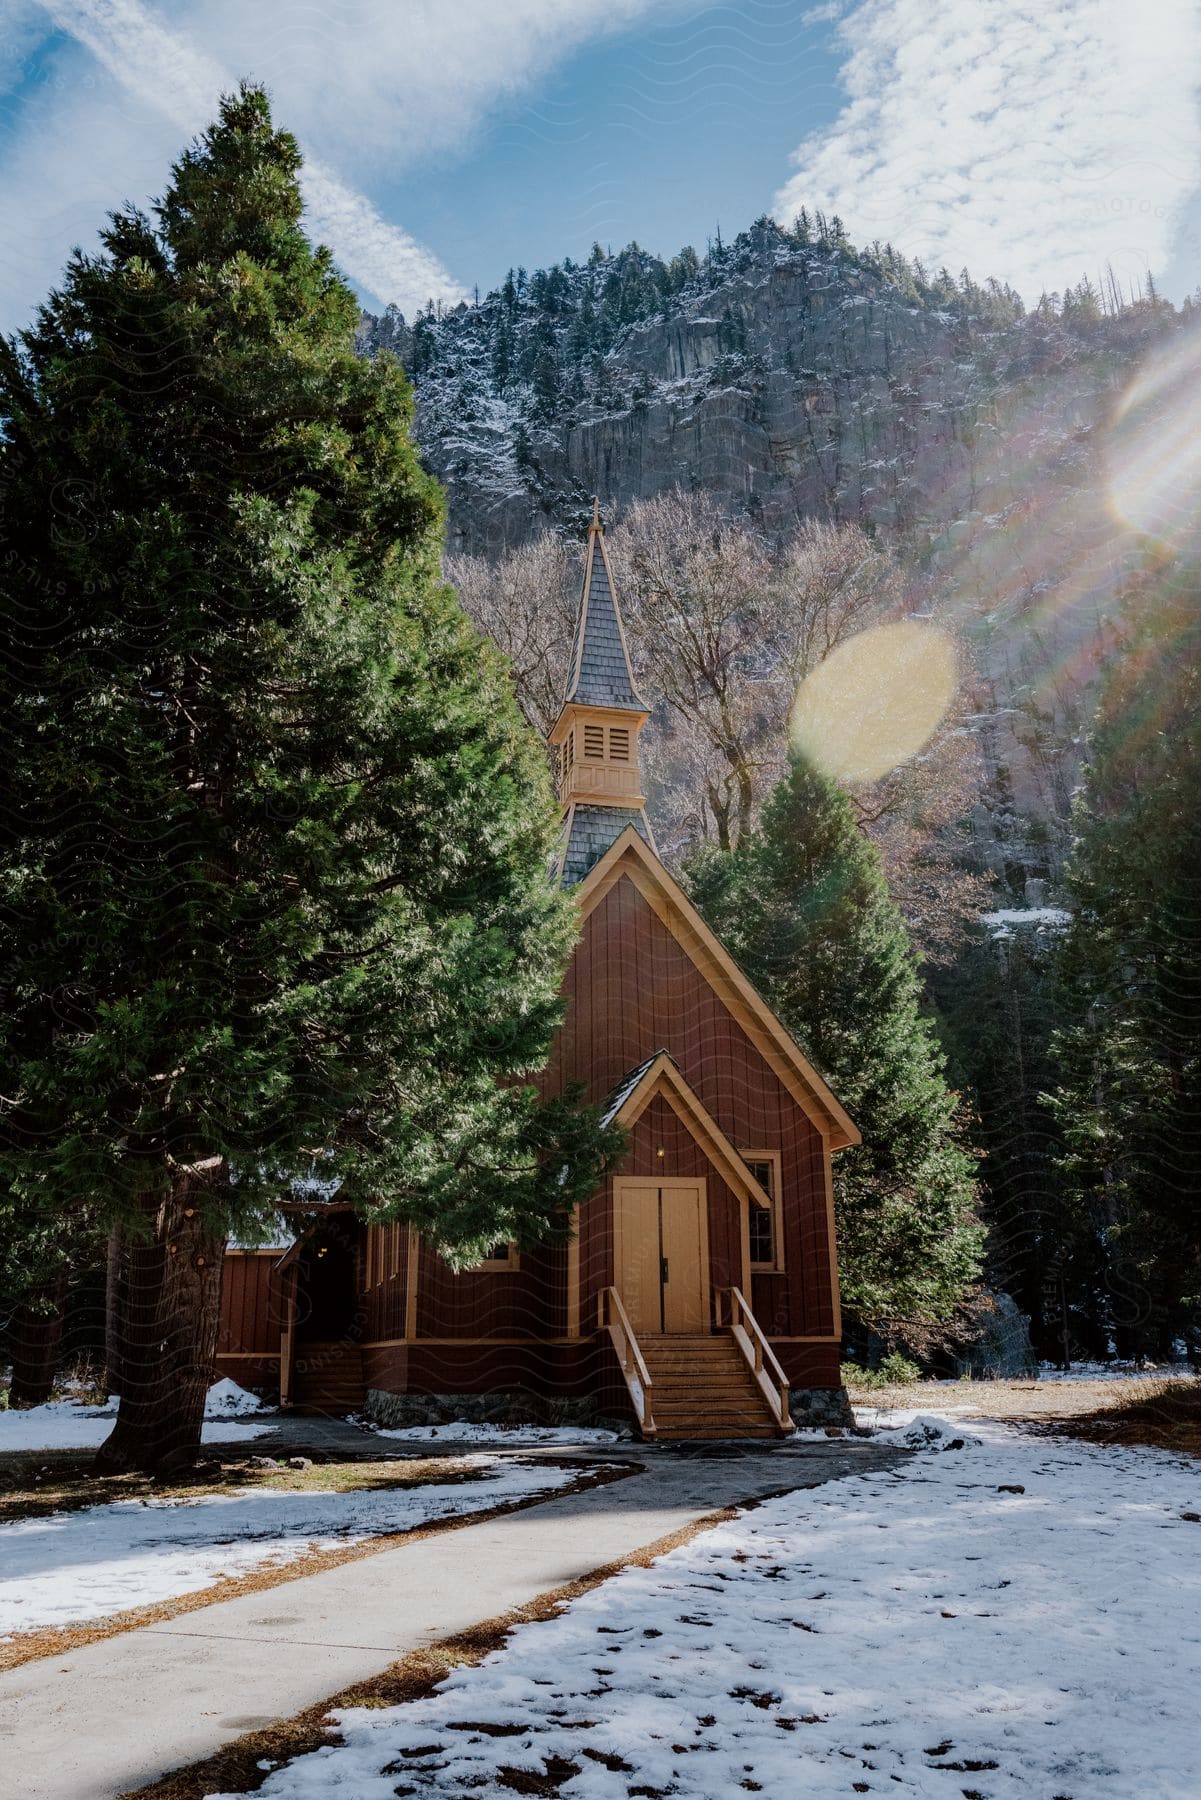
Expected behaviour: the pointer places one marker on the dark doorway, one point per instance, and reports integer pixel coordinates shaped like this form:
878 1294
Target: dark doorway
327 1304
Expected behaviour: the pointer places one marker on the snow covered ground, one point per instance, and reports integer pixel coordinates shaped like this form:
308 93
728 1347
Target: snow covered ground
76 1566
1004 1616
1000 923
74 1425
1115 1371
461 1432
898 1418
226 1400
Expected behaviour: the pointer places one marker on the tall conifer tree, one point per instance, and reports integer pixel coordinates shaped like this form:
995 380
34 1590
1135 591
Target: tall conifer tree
274 877
1129 1051
803 904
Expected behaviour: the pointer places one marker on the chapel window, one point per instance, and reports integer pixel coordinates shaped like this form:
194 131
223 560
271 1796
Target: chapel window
764 1165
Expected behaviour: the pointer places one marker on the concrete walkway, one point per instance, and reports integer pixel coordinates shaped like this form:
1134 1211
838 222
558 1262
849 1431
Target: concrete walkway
116 1714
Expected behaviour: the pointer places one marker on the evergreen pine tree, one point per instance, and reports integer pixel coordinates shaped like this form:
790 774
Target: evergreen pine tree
502 355
1129 1093
274 876
39 1250
802 903
998 1007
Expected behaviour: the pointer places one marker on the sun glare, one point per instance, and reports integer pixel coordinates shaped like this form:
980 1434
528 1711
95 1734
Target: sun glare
876 701
1153 451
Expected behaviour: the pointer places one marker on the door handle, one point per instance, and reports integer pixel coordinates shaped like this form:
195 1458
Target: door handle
663 1270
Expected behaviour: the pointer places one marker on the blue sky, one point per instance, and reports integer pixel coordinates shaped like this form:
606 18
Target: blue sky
660 135
448 139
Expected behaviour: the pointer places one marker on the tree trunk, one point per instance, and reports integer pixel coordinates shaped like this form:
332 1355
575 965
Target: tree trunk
37 1334
1065 1360
168 1342
114 1302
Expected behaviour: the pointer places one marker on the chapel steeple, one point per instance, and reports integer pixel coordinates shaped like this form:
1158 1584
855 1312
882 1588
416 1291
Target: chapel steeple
596 734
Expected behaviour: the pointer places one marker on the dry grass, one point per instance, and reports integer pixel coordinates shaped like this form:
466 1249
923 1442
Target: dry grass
30 1646
1166 1415
33 1487
1162 1412
234 1769
1014 1400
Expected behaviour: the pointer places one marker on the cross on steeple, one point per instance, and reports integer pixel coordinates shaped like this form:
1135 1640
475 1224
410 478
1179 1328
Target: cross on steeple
597 732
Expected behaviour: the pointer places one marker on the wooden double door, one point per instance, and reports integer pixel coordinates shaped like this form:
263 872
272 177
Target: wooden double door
661 1254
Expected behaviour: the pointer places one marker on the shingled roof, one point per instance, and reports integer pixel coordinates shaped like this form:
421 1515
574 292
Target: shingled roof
590 831
600 663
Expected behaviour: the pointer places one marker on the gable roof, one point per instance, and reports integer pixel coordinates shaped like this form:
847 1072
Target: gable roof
631 859
600 661
659 1075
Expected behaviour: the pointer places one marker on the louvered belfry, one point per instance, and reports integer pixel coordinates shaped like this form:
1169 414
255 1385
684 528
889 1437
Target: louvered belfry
596 734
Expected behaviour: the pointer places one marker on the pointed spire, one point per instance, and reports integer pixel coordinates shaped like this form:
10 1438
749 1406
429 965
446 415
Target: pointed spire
596 734
600 662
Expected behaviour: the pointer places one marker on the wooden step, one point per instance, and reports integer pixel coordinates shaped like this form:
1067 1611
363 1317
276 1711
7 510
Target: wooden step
737 1399
674 1360
701 1387
328 1378
702 1430
653 1342
706 1346
686 1365
710 1371
696 1398
742 1406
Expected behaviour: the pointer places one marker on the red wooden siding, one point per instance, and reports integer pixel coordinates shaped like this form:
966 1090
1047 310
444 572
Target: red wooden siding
249 1330
249 1305
632 990
558 1370
528 1301
388 1265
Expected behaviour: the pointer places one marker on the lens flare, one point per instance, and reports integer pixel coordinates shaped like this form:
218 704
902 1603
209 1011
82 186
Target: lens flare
876 701
1153 452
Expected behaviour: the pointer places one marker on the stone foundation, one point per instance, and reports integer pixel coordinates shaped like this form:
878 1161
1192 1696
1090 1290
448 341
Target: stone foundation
809 1407
820 1406
395 1411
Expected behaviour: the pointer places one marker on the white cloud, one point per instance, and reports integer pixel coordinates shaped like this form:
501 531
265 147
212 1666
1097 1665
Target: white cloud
24 27
370 89
1034 142
163 70
404 80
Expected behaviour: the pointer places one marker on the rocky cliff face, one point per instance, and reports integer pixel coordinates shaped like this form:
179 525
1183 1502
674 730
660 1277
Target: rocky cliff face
795 377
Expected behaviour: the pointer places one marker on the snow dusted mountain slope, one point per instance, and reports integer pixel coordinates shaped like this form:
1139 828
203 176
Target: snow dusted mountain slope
794 376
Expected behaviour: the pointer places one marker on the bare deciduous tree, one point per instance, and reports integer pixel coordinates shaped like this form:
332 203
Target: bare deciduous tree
723 628
525 602
911 816
833 581
697 597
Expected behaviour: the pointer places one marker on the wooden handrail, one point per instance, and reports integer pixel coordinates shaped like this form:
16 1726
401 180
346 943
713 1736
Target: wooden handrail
612 1317
760 1357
